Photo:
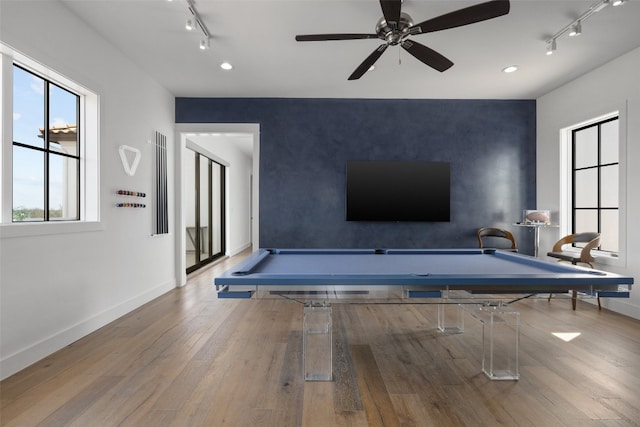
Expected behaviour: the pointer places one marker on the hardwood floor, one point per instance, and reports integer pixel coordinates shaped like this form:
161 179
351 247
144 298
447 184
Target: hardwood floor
189 359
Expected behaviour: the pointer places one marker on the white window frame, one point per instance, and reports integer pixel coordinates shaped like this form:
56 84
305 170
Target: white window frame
565 213
89 152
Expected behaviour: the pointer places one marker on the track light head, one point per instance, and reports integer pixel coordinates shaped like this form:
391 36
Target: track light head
190 25
204 44
551 47
576 29
618 2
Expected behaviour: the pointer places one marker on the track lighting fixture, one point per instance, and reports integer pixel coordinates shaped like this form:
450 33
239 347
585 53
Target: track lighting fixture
194 23
575 27
602 5
551 46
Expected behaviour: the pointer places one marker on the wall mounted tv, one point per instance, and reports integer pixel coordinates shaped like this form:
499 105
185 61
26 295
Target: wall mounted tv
398 191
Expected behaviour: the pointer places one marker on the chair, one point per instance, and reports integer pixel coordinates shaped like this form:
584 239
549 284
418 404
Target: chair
499 239
591 241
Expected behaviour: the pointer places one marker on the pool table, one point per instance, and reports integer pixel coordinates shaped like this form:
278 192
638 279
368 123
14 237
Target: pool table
422 273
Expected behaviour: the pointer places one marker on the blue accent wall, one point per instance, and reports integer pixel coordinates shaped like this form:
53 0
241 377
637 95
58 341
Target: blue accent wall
305 144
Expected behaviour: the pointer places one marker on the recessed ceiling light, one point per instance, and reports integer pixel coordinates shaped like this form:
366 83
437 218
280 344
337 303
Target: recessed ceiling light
226 66
510 69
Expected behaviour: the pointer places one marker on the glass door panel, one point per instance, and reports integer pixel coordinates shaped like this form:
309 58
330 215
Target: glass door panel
204 207
217 235
190 204
204 184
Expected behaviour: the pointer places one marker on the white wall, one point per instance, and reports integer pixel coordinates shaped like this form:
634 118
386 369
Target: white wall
58 287
614 86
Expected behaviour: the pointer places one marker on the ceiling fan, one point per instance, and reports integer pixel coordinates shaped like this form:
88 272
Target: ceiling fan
395 27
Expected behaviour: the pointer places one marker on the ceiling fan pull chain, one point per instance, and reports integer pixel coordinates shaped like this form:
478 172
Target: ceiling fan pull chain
399 57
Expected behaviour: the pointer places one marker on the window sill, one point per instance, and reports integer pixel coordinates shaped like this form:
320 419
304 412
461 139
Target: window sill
606 259
8 231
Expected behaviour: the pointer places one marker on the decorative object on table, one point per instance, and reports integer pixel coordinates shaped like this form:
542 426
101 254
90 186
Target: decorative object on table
129 166
161 219
591 240
536 217
496 235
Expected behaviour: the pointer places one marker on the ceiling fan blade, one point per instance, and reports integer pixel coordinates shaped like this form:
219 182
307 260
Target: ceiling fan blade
391 12
324 37
367 63
468 15
427 55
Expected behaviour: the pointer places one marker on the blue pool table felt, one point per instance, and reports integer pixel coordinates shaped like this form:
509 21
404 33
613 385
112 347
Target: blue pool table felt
426 267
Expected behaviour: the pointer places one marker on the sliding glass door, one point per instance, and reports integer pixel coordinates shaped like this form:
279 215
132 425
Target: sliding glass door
205 221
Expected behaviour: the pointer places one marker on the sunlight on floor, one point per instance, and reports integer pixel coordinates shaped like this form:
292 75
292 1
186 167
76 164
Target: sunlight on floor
566 336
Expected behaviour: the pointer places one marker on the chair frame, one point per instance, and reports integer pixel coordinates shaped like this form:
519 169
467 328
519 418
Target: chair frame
585 255
496 232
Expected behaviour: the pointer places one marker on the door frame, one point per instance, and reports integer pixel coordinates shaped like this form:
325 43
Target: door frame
181 131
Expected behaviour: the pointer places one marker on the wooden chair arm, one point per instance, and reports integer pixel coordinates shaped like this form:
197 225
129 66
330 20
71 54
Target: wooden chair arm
560 243
585 254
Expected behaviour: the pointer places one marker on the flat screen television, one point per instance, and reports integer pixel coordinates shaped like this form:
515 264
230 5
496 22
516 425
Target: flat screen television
398 191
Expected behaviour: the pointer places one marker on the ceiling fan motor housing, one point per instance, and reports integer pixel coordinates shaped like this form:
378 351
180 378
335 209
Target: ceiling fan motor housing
391 35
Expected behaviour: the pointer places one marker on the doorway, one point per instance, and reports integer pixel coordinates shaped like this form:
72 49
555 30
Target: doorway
241 181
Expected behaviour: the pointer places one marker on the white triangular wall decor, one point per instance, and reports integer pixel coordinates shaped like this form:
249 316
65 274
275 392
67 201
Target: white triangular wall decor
129 166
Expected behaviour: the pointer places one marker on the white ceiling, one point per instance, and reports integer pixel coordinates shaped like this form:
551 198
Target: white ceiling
257 37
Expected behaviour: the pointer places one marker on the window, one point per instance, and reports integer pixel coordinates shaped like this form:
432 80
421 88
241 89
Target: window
49 156
46 147
595 178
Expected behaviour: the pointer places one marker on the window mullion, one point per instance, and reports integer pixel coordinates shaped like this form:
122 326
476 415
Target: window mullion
45 138
599 178
78 155
573 181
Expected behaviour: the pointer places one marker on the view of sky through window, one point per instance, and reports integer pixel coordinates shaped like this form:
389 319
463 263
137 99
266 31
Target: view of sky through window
29 109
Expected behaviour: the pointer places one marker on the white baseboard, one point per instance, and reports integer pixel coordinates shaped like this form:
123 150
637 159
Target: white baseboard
240 249
39 350
621 305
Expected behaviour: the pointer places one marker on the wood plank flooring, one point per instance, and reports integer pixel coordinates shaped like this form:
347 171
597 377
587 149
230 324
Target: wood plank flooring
190 359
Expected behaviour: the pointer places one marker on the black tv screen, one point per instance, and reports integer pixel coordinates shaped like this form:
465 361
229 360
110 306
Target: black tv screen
398 191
